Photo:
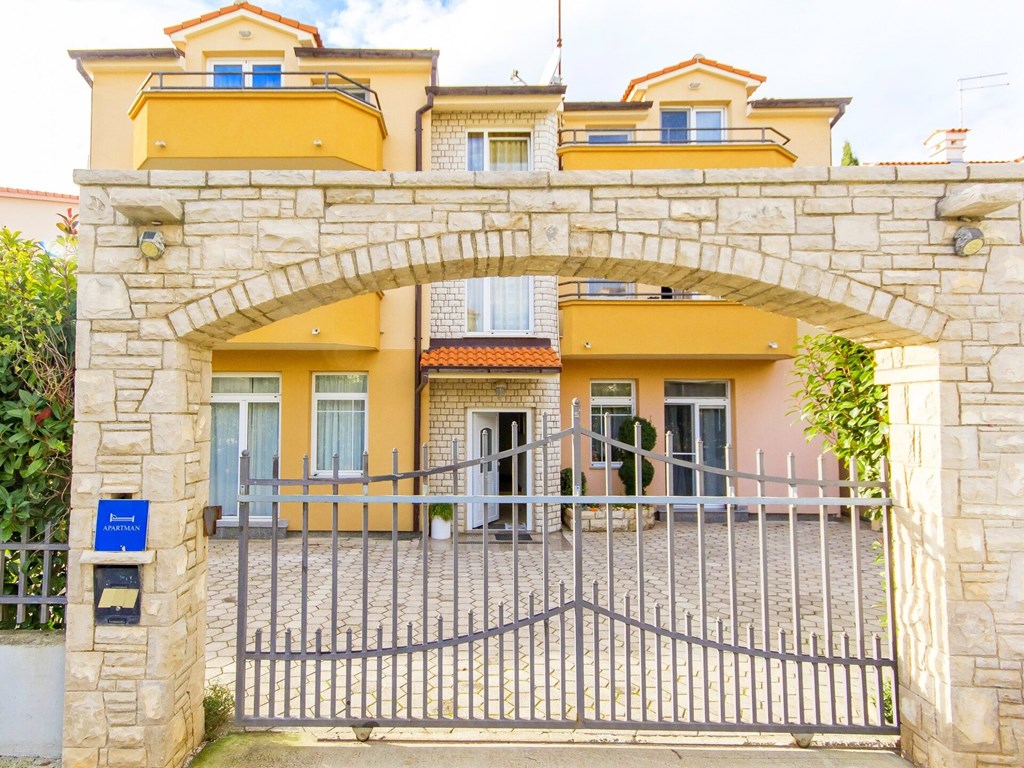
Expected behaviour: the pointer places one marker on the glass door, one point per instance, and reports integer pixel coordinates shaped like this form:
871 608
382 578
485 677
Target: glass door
694 412
483 480
246 417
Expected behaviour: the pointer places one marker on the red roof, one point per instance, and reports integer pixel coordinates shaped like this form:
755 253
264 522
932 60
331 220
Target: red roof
252 9
16 192
689 63
944 162
491 357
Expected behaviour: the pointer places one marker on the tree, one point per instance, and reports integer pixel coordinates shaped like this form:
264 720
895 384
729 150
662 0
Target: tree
848 157
837 399
627 470
37 344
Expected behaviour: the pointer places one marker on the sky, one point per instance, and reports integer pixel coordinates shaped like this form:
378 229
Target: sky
898 59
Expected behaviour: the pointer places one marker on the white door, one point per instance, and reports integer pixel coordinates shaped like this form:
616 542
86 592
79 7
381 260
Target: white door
483 480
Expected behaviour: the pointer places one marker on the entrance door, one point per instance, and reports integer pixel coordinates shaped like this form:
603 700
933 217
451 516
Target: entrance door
483 480
246 417
694 412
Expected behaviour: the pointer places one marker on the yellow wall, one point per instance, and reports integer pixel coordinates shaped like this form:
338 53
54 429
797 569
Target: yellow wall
622 328
113 91
759 399
807 128
350 324
390 406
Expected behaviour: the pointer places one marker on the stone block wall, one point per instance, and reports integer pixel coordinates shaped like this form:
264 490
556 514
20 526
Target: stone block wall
448 136
450 400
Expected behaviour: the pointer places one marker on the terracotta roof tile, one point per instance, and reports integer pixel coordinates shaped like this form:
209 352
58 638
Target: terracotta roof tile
688 63
16 192
943 162
252 9
483 357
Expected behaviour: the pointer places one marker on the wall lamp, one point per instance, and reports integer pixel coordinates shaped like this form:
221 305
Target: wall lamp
152 244
968 241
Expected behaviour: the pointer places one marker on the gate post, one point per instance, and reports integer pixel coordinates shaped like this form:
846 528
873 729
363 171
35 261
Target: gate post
134 694
958 531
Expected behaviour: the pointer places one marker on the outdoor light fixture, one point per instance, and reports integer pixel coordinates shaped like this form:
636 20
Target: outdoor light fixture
968 241
499 391
152 244
245 34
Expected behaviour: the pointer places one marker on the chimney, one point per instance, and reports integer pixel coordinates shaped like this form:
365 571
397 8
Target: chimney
947 146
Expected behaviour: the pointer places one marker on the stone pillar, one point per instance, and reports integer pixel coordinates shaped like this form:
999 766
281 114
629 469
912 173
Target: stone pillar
959 558
134 693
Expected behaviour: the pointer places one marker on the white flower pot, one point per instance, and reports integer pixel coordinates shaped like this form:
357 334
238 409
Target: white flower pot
440 529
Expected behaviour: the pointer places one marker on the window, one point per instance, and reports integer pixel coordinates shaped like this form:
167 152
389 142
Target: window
608 136
614 400
600 287
339 421
245 416
498 151
697 414
499 305
702 126
246 74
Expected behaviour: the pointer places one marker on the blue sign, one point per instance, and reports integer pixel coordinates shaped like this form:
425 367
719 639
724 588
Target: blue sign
121 525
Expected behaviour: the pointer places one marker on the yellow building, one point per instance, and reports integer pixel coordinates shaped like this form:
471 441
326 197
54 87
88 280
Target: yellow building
243 88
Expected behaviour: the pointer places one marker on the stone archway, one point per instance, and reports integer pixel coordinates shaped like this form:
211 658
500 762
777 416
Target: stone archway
860 251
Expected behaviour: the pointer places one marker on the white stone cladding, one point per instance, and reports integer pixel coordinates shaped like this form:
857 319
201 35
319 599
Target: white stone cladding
448 136
860 251
450 401
448 309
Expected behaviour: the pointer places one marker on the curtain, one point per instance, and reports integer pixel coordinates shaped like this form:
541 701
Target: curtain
475 305
224 454
510 303
475 152
510 153
264 423
340 429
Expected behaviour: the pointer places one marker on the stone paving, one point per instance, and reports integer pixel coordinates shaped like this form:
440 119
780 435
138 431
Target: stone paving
526 672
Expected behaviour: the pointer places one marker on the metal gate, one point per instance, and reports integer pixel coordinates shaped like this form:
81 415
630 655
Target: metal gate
768 609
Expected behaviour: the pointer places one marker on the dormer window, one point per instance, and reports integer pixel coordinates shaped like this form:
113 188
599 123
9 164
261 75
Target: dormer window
246 74
692 125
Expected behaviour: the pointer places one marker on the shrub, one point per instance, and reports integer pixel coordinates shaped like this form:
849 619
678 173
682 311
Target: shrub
627 470
218 707
566 479
442 511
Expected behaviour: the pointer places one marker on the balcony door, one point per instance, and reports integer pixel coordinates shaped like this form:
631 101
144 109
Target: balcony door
245 73
698 411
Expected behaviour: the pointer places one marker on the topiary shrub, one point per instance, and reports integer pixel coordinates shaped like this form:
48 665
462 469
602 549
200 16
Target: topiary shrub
627 470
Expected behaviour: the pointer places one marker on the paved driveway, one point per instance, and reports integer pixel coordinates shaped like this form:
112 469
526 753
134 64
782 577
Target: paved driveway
639 668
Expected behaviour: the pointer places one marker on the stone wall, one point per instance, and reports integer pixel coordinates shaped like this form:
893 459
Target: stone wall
447 412
866 252
449 129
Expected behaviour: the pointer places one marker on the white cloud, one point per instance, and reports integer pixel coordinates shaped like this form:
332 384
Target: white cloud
899 60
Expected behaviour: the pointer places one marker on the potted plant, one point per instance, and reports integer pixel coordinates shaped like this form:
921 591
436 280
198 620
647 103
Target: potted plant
441 515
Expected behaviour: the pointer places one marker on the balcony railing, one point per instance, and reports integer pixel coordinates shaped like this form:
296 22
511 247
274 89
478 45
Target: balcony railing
664 136
262 82
572 290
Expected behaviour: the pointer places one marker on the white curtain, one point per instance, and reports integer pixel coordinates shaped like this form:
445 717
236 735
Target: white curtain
510 153
510 303
224 453
264 423
339 429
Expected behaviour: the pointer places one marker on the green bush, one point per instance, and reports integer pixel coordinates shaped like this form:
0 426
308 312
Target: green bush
566 480
442 511
37 343
218 707
627 470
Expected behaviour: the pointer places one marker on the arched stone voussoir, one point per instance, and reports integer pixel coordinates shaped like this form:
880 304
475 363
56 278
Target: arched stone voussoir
835 302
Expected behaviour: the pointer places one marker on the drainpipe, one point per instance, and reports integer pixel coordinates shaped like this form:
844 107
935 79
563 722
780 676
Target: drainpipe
420 378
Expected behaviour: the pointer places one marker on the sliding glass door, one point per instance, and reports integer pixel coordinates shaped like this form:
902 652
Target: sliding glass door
246 417
698 411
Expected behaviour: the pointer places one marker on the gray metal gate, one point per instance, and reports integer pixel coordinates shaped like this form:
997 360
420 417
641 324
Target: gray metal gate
764 610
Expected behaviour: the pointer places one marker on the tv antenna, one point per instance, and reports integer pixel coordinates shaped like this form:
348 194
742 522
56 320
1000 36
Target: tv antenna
960 87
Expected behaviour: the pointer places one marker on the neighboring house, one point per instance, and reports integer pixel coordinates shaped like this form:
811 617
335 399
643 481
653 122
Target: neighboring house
468 359
34 213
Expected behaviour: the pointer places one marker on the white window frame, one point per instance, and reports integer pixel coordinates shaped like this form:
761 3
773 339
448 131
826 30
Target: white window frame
316 398
691 122
246 65
529 331
527 133
243 400
609 400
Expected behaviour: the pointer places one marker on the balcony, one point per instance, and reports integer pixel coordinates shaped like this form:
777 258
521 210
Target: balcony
602 319
607 149
285 120
352 324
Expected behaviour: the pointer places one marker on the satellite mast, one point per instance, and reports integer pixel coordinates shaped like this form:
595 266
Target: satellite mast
960 87
558 43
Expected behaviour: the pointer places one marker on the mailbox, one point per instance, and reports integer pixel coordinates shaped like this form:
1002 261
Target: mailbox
117 593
